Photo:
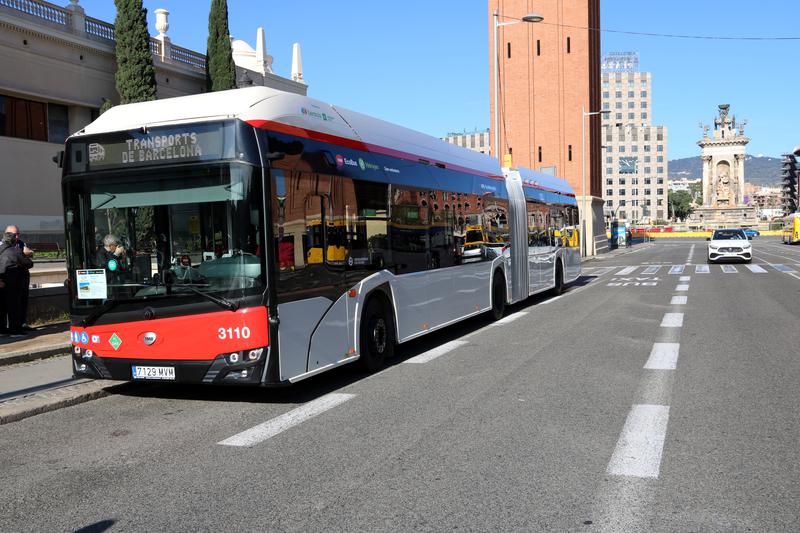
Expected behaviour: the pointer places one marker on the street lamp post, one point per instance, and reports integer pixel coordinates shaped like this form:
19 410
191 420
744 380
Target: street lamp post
530 17
582 213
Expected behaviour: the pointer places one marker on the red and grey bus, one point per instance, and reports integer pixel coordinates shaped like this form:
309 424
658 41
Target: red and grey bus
261 237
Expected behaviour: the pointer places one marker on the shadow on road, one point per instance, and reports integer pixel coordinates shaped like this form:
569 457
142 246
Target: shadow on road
332 380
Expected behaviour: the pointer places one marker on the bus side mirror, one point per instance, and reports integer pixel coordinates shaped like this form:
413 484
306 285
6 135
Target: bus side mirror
58 159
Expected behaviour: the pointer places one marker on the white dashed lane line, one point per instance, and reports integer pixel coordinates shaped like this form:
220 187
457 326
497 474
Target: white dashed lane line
672 320
432 354
270 428
678 300
682 287
664 356
641 443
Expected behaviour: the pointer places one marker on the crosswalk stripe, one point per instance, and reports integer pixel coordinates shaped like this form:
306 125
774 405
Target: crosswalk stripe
729 269
756 269
781 268
627 270
677 269
701 269
652 269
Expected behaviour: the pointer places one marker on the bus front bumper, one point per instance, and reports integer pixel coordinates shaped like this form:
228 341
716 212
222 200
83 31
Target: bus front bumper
242 369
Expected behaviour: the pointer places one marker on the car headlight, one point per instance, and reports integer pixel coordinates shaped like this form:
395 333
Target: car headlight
713 246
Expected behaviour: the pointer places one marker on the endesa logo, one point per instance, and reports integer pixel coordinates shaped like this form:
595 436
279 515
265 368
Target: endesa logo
342 161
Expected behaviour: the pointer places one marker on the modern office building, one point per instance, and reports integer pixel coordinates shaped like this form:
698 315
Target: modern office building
636 163
549 76
477 140
56 67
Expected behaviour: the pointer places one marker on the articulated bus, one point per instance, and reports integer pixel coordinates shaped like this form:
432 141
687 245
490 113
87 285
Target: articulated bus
791 229
260 237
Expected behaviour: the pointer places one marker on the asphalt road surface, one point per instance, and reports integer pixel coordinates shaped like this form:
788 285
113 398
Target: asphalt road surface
655 395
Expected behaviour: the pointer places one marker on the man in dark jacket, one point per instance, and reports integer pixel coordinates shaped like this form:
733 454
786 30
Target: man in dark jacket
26 283
14 265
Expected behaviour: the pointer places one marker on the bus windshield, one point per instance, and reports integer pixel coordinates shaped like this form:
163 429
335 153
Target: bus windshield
141 234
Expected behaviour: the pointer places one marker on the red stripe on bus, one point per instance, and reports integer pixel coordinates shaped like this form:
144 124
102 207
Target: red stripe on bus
191 337
287 129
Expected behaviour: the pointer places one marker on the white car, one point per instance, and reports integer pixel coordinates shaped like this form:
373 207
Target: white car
726 244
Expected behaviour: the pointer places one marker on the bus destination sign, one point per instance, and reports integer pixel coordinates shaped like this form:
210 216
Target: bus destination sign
155 148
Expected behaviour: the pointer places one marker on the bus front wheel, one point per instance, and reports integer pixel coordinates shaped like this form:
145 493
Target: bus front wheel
376 335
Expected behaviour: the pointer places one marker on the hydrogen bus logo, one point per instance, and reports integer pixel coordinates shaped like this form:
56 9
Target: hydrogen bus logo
339 161
361 164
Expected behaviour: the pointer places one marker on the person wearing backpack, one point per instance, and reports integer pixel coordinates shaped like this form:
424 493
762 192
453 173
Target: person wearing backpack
14 266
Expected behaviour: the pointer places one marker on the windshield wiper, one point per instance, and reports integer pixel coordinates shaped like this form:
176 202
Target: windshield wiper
219 300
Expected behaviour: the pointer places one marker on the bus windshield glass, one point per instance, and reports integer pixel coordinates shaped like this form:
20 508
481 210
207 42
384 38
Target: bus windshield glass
142 234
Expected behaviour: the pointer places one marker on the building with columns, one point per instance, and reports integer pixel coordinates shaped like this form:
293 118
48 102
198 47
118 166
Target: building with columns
549 75
723 155
57 64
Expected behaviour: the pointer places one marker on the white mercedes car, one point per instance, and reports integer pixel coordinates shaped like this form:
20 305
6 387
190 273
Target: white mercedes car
727 244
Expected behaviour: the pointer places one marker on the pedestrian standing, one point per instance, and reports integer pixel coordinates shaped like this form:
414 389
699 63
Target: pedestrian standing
27 252
13 265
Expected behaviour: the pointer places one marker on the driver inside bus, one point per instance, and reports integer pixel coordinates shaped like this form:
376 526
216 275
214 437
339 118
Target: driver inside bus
112 255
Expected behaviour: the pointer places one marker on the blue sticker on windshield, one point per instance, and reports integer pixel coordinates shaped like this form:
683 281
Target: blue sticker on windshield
112 264
84 338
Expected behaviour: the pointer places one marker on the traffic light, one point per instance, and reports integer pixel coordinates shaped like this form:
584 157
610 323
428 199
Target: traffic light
789 174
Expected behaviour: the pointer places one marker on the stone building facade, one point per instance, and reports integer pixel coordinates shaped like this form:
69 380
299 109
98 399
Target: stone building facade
57 64
477 140
636 163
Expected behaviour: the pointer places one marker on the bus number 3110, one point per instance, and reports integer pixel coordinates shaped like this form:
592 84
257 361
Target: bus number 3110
233 333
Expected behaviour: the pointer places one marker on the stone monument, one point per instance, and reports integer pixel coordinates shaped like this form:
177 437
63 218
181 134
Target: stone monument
723 155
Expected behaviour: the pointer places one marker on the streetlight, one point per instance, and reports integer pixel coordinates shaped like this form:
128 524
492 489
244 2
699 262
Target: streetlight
582 213
530 17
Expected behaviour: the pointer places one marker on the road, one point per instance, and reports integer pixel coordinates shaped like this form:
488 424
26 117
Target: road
652 396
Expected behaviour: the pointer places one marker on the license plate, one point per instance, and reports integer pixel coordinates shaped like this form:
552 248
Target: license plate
153 372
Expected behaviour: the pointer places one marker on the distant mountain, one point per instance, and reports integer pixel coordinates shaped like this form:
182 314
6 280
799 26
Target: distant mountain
757 170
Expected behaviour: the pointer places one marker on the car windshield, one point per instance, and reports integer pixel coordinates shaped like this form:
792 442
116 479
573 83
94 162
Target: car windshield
139 234
729 235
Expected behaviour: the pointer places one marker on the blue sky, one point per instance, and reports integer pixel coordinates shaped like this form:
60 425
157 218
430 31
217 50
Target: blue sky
423 64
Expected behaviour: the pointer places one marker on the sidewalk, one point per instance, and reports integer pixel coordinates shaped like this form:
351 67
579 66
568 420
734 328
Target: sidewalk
45 341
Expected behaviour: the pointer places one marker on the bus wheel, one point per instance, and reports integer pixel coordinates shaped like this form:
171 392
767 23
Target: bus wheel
498 296
376 335
558 288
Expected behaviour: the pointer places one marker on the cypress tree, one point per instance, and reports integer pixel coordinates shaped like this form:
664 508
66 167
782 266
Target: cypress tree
136 76
220 70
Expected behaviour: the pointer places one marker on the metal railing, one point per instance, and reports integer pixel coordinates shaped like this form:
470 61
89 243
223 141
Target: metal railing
39 8
98 29
101 29
600 244
187 57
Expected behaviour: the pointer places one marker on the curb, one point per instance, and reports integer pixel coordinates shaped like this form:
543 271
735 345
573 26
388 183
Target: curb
43 402
34 355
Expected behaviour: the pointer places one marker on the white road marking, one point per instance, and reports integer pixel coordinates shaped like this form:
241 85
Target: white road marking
270 428
701 269
641 443
781 268
672 320
685 278
729 269
627 270
691 253
677 269
678 300
682 287
651 269
432 354
663 356
601 271
510 318
756 269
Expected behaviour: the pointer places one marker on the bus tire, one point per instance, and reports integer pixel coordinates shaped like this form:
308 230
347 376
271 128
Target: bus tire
558 287
498 296
376 335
